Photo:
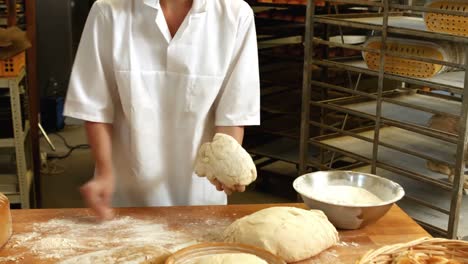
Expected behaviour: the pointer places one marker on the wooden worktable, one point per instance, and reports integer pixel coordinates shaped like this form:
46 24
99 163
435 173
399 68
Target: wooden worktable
395 227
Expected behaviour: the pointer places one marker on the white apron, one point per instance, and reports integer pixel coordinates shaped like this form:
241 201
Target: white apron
163 95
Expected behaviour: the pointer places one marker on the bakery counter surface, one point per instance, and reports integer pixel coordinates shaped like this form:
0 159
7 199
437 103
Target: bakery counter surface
51 235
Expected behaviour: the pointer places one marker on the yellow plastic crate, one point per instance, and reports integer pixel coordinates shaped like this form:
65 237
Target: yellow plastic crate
12 67
402 66
455 25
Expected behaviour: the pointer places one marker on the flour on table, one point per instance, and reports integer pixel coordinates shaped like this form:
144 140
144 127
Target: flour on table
326 257
62 238
344 195
347 244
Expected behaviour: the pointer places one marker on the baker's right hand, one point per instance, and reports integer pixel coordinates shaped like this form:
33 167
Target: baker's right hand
97 194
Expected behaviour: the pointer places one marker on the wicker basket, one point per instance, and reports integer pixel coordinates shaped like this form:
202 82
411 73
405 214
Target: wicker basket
420 251
456 25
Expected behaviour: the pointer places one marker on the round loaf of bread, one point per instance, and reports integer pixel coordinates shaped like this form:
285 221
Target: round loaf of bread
5 220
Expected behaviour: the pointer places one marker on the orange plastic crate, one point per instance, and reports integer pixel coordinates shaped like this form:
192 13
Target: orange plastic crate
12 67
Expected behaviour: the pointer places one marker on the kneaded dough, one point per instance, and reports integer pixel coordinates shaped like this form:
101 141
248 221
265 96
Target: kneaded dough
146 254
227 161
230 258
293 234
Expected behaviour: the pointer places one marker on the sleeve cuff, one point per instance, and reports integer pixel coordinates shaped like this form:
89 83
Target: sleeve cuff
87 113
249 121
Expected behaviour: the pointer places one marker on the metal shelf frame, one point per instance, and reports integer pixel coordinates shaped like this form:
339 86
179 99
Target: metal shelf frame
24 172
377 146
285 143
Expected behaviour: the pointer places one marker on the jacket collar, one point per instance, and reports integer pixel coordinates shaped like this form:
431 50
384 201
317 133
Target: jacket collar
198 6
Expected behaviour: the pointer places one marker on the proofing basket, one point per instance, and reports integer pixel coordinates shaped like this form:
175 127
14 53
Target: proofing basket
420 251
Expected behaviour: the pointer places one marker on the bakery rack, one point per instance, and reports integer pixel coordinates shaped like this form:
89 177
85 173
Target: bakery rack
280 34
16 174
384 124
280 29
13 13
16 140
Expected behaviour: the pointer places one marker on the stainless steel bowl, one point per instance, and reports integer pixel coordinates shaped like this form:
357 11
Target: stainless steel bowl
349 216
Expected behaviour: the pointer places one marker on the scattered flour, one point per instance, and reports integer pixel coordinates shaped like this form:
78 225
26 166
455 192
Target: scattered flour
326 257
348 244
66 237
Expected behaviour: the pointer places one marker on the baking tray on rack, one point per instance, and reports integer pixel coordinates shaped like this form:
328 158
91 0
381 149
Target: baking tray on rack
398 23
402 140
404 110
428 194
454 79
392 158
448 81
405 107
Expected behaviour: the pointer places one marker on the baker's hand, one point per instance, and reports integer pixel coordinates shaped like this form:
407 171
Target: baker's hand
97 194
221 187
226 164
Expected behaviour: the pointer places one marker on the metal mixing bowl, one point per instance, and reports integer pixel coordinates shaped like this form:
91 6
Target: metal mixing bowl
349 216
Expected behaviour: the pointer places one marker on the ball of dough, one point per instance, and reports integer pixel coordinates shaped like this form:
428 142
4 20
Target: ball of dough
293 234
224 159
146 254
230 258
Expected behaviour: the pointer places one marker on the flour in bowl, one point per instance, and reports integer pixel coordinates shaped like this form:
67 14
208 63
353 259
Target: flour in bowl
344 195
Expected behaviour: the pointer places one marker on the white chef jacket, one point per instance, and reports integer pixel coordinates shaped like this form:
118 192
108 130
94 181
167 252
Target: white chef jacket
164 95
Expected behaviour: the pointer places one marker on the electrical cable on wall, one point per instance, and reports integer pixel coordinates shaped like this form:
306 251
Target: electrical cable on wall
51 167
70 148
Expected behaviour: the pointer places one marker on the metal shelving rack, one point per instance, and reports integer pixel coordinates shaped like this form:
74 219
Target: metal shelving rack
277 139
393 139
17 175
281 83
17 185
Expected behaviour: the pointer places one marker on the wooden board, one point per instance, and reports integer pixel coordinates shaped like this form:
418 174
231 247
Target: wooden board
395 227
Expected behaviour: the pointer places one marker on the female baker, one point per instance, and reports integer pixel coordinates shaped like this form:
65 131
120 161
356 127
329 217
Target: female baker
154 79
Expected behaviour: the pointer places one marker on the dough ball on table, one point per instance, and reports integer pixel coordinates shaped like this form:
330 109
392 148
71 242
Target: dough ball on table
230 258
123 255
227 161
5 220
291 233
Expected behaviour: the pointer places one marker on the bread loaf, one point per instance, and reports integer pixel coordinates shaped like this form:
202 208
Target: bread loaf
5 220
